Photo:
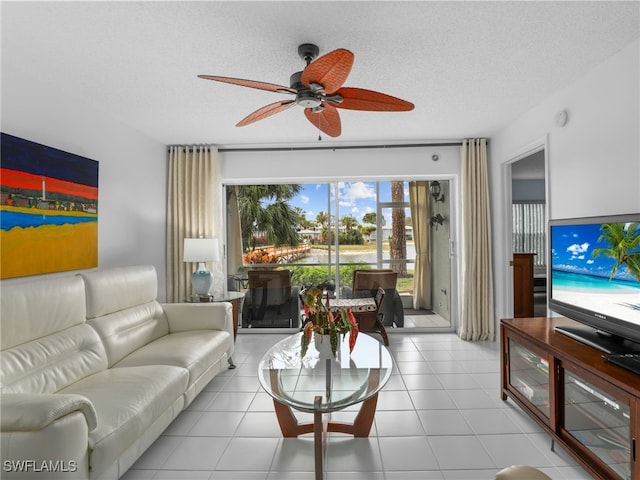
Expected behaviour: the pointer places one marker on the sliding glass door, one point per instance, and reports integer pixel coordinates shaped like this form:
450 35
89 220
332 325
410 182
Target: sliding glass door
322 232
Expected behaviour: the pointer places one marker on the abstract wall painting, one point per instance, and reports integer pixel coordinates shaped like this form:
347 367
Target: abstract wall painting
48 209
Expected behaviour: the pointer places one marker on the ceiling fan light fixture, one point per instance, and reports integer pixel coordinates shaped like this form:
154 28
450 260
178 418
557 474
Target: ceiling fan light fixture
319 90
308 99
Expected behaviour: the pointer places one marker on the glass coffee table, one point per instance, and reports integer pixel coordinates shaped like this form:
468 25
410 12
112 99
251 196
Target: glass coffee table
320 385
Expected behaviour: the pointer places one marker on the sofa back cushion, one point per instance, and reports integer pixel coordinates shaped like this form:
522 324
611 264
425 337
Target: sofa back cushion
122 307
46 344
52 362
35 309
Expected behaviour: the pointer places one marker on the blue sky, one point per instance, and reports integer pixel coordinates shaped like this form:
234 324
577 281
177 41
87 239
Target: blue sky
356 198
572 247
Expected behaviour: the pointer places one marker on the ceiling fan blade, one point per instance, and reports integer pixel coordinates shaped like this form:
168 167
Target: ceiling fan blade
327 120
265 112
330 70
271 87
362 99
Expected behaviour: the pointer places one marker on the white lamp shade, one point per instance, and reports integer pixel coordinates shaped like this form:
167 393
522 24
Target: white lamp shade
201 250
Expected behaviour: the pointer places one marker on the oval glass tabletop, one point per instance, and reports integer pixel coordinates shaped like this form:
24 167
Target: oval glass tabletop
345 380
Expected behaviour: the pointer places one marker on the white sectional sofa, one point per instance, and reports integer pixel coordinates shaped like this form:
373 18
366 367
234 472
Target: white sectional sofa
93 369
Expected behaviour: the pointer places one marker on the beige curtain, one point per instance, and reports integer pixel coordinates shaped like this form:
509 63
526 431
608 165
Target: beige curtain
419 200
234 233
476 318
194 209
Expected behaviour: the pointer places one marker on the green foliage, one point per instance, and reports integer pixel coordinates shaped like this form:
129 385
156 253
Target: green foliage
315 275
349 222
370 217
351 237
312 275
265 208
367 230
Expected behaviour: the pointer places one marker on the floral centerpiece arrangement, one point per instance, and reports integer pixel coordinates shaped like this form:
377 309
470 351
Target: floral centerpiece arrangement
321 320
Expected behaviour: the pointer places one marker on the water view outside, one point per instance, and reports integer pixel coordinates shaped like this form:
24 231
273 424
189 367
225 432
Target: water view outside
317 256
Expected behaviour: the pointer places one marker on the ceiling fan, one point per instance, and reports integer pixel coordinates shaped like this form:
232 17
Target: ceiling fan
318 89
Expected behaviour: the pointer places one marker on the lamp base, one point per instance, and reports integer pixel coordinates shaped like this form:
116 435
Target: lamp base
202 280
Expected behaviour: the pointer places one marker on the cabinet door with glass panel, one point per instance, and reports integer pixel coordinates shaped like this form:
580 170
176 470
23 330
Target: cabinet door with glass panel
596 420
528 377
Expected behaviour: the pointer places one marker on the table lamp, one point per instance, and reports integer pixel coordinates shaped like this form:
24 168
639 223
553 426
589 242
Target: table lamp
201 250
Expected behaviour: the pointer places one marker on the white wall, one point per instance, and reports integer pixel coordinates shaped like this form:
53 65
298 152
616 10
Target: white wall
593 161
132 167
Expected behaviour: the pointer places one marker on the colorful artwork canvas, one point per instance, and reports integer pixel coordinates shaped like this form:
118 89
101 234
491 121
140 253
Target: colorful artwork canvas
48 209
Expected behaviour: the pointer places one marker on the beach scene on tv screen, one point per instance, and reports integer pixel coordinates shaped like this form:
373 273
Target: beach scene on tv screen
597 267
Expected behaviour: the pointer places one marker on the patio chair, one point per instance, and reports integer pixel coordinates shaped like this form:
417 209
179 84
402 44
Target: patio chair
373 322
270 300
367 282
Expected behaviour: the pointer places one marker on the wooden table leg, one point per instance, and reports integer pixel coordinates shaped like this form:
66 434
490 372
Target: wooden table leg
361 426
235 309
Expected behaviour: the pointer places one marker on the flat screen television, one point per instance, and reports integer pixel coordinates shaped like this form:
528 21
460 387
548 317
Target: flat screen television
594 267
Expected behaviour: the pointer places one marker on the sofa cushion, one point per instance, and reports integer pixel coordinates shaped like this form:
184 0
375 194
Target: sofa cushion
127 402
50 363
195 350
122 307
126 331
39 308
114 289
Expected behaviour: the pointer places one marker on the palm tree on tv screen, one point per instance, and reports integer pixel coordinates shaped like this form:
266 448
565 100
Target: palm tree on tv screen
624 246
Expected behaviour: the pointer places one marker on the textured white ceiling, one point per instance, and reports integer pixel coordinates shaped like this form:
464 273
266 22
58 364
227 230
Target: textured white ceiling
469 67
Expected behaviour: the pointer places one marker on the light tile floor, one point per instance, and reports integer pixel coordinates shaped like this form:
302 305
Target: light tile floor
440 416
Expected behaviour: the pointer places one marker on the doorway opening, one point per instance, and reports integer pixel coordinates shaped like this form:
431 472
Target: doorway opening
528 221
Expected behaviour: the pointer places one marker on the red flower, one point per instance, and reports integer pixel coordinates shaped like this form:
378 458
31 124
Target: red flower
354 330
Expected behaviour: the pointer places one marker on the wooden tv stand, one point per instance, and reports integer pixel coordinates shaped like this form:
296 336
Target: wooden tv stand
589 406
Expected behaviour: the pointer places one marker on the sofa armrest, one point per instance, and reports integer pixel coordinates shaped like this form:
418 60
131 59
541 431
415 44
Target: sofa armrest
35 411
199 316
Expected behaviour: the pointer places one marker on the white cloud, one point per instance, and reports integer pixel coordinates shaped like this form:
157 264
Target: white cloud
304 199
353 191
577 250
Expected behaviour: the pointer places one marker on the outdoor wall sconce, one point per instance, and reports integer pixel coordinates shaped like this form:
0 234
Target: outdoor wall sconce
436 192
437 220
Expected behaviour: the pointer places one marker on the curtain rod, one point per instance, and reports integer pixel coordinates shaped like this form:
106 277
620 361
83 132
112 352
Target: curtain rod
340 147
